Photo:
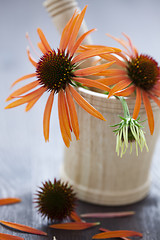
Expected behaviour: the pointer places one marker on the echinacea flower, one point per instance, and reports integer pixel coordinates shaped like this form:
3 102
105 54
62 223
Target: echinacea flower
57 72
134 72
55 200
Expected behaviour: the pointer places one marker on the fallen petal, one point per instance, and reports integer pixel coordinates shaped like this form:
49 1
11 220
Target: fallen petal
106 230
4 236
23 228
117 234
6 201
107 214
74 225
74 216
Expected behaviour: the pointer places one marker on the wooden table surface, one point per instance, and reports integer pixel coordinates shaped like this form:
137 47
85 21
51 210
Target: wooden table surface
25 159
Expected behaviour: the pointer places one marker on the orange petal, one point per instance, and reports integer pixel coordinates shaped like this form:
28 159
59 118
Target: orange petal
79 41
112 80
134 50
106 230
67 112
110 57
157 100
119 86
64 114
32 102
84 104
41 47
61 123
76 28
23 228
65 33
74 216
74 225
27 98
6 201
112 72
120 41
46 116
137 103
23 78
91 53
92 70
117 234
44 40
4 236
87 47
73 113
22 90
126 92
149 111
34 63
92 83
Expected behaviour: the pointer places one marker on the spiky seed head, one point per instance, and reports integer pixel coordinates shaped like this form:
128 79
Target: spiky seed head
55 200
143 71
55 70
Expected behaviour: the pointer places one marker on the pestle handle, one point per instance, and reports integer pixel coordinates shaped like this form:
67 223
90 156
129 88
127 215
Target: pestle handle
61 11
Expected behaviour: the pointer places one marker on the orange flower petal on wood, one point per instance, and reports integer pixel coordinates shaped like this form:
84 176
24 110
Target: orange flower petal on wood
126 92
137 103
84 104
157 100
149 111
74 216
23 228
6 201
4 236
73 113
74 225
119 86
117 234
106 230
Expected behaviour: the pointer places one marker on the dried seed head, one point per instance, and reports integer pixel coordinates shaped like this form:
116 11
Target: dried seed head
55 200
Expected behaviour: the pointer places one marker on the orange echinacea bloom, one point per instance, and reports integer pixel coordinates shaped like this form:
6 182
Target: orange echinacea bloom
57 72
137 73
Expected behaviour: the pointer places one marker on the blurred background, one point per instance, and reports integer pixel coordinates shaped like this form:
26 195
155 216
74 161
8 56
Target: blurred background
21 133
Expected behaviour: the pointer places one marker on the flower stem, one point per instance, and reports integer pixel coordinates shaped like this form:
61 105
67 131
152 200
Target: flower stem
125 106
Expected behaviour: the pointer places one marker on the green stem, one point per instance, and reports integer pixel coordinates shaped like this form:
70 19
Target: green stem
125 106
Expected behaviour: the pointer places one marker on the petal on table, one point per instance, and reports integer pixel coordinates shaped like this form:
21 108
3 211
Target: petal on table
74 225
23 228
6 201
